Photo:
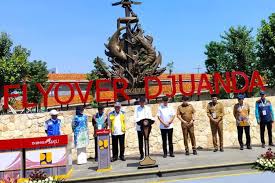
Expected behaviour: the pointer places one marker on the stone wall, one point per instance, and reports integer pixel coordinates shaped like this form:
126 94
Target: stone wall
32 125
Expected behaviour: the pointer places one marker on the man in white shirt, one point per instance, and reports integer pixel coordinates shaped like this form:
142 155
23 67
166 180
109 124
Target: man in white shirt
118 129
166 116
141 112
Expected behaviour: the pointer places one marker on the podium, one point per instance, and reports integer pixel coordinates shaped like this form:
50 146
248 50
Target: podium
146 126
103 149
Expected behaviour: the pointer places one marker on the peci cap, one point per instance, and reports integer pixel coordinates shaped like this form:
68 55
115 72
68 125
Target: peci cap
54 112
185 98
165 99
100 107
79 108
142 99
214 95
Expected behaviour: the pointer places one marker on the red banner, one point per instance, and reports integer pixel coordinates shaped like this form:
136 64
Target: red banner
12 144
103 132
34 143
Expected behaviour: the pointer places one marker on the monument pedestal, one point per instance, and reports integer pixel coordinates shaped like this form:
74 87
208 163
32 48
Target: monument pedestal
146 126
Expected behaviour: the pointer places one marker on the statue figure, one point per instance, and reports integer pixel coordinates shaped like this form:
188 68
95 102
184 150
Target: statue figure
132 55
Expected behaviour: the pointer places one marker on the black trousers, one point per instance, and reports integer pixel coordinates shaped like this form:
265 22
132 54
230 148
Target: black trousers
121 140
96 156
269 130
140 142
247 134
164 134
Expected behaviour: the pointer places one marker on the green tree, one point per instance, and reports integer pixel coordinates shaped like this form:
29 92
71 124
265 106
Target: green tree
170 67
13 62
5 45
217 61
99 69
241 49
98 72
15 68
216 57
236 51
266 49
38 73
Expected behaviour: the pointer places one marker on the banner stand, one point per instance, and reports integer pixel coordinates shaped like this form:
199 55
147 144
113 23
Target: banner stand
22 156
103 149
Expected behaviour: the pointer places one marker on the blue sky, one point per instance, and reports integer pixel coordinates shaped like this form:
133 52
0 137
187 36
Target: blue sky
68 34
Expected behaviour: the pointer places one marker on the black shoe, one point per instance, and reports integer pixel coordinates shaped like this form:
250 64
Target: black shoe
141 157
113 159
172 155
165 156
241 148
195 152
122 158
271 144
263 145
187 153
221 150
249 147
215 150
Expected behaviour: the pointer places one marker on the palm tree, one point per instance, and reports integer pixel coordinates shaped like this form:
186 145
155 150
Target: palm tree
170 67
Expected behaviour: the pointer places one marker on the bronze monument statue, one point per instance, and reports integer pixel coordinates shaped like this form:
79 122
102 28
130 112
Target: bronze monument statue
132 55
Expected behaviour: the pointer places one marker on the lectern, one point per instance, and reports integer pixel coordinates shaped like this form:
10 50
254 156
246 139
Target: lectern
146 126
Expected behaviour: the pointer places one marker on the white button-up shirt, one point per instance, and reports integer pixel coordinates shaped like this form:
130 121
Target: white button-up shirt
165 113
117 126
142 113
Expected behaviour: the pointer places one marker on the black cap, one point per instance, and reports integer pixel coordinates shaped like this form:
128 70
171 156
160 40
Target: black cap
214 95
185 98
165 98
100 107
142 99
79 108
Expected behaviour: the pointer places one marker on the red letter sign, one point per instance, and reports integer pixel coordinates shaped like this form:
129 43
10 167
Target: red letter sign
174 86
253 83
218 78
98 89
7 95
25 98
56 95
192 83
147 79
208 85
88 89
234 82
45 93
121 90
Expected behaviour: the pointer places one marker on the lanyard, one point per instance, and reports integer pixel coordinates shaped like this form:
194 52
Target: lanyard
263 103
214 106
99 118
54 120
241 107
